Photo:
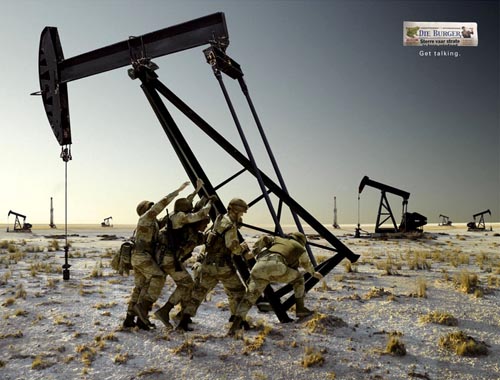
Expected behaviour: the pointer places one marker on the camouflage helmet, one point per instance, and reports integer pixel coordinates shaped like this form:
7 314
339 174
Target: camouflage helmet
299 237
183 204
238 205
143 206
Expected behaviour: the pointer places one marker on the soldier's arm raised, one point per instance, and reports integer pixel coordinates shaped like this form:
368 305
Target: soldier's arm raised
199 185
164 202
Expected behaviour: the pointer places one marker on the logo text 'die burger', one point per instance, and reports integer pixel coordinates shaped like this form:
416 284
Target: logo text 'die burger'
417 33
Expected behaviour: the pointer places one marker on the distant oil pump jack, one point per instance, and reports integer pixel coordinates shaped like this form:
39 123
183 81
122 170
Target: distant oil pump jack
136 52
478 224
410 222
52 225
107 222
18 227
444 220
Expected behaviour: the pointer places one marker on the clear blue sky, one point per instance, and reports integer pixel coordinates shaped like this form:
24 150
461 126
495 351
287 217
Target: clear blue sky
337 93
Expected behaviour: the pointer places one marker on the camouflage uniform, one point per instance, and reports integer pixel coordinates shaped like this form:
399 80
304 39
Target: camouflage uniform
149 279
279 262
186 237
218 266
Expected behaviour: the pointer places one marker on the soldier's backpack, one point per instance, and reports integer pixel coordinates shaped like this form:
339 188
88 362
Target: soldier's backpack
122 260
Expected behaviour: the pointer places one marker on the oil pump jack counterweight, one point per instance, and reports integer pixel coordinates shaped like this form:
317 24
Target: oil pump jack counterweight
138 52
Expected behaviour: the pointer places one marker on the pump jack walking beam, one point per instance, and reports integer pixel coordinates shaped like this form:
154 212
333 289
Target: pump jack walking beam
55 72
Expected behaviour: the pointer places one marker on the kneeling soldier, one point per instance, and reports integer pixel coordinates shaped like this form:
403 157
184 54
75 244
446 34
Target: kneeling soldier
278 262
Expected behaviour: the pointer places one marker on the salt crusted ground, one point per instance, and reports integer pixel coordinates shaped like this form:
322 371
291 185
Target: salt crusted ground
55 329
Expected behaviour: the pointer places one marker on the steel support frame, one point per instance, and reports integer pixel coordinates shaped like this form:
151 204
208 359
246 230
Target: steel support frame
384 204
152 88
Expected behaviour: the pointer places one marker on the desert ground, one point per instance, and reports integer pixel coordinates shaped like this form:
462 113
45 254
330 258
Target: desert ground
421 308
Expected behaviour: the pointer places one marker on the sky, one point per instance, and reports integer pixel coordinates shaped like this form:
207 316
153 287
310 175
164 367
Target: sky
337 93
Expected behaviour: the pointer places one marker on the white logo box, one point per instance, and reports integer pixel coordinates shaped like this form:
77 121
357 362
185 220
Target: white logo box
424 33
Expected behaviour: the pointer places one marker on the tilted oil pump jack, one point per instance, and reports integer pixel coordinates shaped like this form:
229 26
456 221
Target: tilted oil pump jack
410 222
56 72
18 227
478 225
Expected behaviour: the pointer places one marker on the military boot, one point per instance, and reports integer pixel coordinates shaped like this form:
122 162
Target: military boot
142 310
235 326
184 323
129 320
179 316
163 314
300 309
142 325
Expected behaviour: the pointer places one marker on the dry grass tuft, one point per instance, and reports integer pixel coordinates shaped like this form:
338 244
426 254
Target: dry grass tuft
418 260
17 334
121 358
101 305
149 371
39 363
395 346
5 278
9 301
44 267
53 245
466 281
312 356
87 354
421 287
321 323
389 266
376 293
258 342
462 344
259 375
61 320
20 313
187 347
97 271
350 268
20 291
439 317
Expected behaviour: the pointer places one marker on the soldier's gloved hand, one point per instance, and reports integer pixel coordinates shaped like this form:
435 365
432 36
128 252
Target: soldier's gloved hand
212 198
196 266
248 255
183 186
317 275
199 183
244 247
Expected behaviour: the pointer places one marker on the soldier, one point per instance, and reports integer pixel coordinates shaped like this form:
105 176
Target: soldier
183 233
148 277
278 262
222 242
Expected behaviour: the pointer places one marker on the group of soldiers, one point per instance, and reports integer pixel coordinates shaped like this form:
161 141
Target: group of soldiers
163 245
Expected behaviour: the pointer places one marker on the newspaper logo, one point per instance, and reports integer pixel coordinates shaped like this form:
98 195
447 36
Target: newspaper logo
420 33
